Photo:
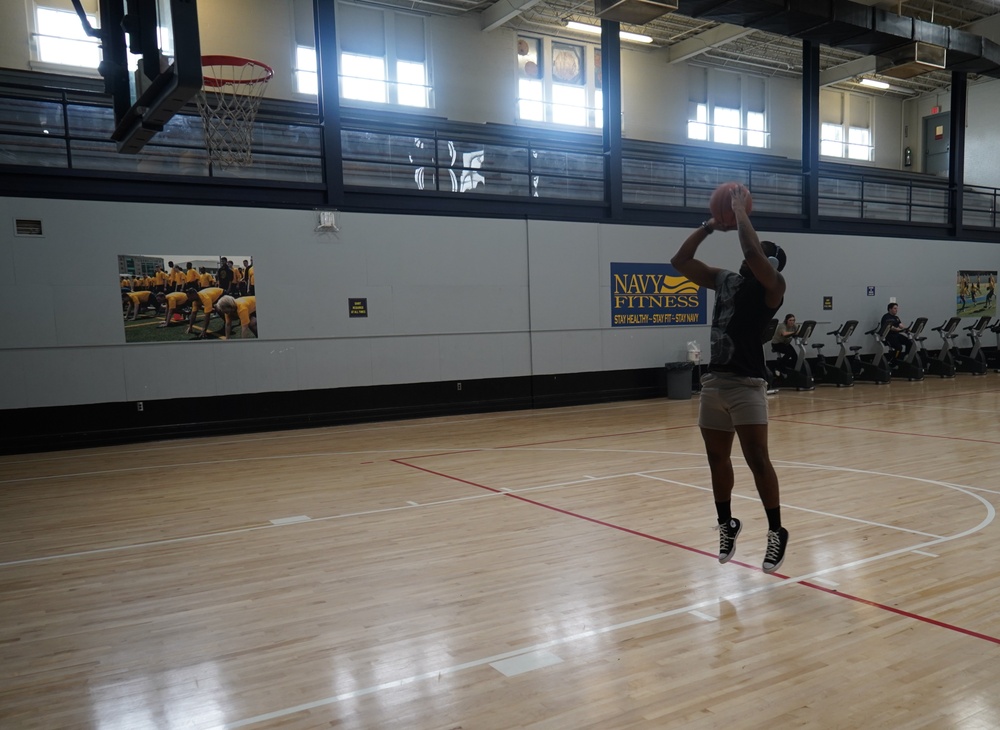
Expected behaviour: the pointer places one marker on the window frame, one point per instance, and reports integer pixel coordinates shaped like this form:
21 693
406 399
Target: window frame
705 127
553 110
392 65
842 115
37 32
705 121
844 143
301 71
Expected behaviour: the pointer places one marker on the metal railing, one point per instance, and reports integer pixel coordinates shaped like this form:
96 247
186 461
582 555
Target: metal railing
414 155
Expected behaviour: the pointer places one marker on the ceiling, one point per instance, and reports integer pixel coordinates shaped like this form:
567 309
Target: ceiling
731 46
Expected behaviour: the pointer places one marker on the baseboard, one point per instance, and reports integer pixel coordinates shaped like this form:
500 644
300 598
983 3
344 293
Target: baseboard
102 424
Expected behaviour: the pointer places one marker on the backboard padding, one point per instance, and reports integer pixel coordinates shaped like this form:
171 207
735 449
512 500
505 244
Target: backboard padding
169 87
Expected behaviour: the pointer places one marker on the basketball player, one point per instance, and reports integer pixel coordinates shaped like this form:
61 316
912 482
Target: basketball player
733 396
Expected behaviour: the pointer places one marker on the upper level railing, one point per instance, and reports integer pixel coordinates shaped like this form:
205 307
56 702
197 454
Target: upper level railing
417 155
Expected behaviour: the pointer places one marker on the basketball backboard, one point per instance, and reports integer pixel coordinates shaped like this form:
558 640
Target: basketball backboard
165 34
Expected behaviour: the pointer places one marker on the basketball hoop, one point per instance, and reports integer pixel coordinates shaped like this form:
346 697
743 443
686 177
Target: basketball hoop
228 103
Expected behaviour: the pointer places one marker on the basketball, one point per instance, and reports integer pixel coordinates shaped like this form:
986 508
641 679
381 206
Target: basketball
720 205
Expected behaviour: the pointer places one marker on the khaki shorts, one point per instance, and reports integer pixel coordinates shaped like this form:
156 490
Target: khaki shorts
728 401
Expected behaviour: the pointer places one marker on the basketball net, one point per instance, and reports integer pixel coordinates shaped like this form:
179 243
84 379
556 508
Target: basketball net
228 104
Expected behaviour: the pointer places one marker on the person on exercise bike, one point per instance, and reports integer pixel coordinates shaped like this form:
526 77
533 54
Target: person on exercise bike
898 342
781 344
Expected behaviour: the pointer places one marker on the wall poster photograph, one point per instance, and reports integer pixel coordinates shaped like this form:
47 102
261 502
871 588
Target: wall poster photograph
183 297
976 294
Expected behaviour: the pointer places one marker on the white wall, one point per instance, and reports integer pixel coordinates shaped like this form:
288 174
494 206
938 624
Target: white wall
262 31
448 298
982 153
14 35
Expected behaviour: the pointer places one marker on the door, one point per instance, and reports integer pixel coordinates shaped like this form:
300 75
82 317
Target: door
937 143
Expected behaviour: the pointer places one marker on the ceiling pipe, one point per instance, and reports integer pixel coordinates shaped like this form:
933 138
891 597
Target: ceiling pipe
853 25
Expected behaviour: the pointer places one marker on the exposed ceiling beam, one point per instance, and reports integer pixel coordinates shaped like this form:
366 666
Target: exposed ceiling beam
849 70
712 38
503 10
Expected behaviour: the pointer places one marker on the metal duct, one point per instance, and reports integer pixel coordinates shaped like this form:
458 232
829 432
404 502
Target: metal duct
898 40
635 12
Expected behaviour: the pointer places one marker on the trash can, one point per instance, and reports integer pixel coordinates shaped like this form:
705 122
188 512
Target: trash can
679 380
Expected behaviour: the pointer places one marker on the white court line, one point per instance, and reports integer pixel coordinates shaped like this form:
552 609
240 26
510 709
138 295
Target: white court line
924 552
398 453
814 576
526 663
703 616
472 497
290 520
827 583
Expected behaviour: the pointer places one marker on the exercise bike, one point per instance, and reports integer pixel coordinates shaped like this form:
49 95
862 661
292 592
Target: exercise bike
873 368
839 371
910 365
801 377
972 360
993 353
765 339
943 364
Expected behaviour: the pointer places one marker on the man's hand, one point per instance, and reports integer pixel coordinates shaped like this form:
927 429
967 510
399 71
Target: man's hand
718 225
739 199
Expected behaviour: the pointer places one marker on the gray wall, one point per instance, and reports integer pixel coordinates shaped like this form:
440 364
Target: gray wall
449 298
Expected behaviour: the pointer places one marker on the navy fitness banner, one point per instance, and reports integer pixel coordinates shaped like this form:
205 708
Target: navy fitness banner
654 294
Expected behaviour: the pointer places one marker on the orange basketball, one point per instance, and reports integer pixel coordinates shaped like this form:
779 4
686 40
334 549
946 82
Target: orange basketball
720 205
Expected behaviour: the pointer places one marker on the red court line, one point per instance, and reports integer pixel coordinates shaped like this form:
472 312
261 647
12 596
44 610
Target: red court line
714 556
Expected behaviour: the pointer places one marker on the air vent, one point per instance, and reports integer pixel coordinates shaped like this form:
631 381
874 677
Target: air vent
911 60
27 227
635 12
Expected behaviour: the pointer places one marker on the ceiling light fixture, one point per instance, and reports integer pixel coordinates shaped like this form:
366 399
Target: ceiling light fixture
874 83
596 30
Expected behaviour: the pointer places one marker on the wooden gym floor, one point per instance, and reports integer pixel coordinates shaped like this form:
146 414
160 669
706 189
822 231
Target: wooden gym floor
541 569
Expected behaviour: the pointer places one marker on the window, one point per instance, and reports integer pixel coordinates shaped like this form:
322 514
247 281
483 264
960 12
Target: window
727 108
858 147
845 126
566 90
698 127
727 125
411 83
598 90
363 78
755 129
831 140
383 56
60 39
306 78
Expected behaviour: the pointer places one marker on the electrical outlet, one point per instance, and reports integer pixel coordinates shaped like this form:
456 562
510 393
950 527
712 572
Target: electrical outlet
459 386
138 406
